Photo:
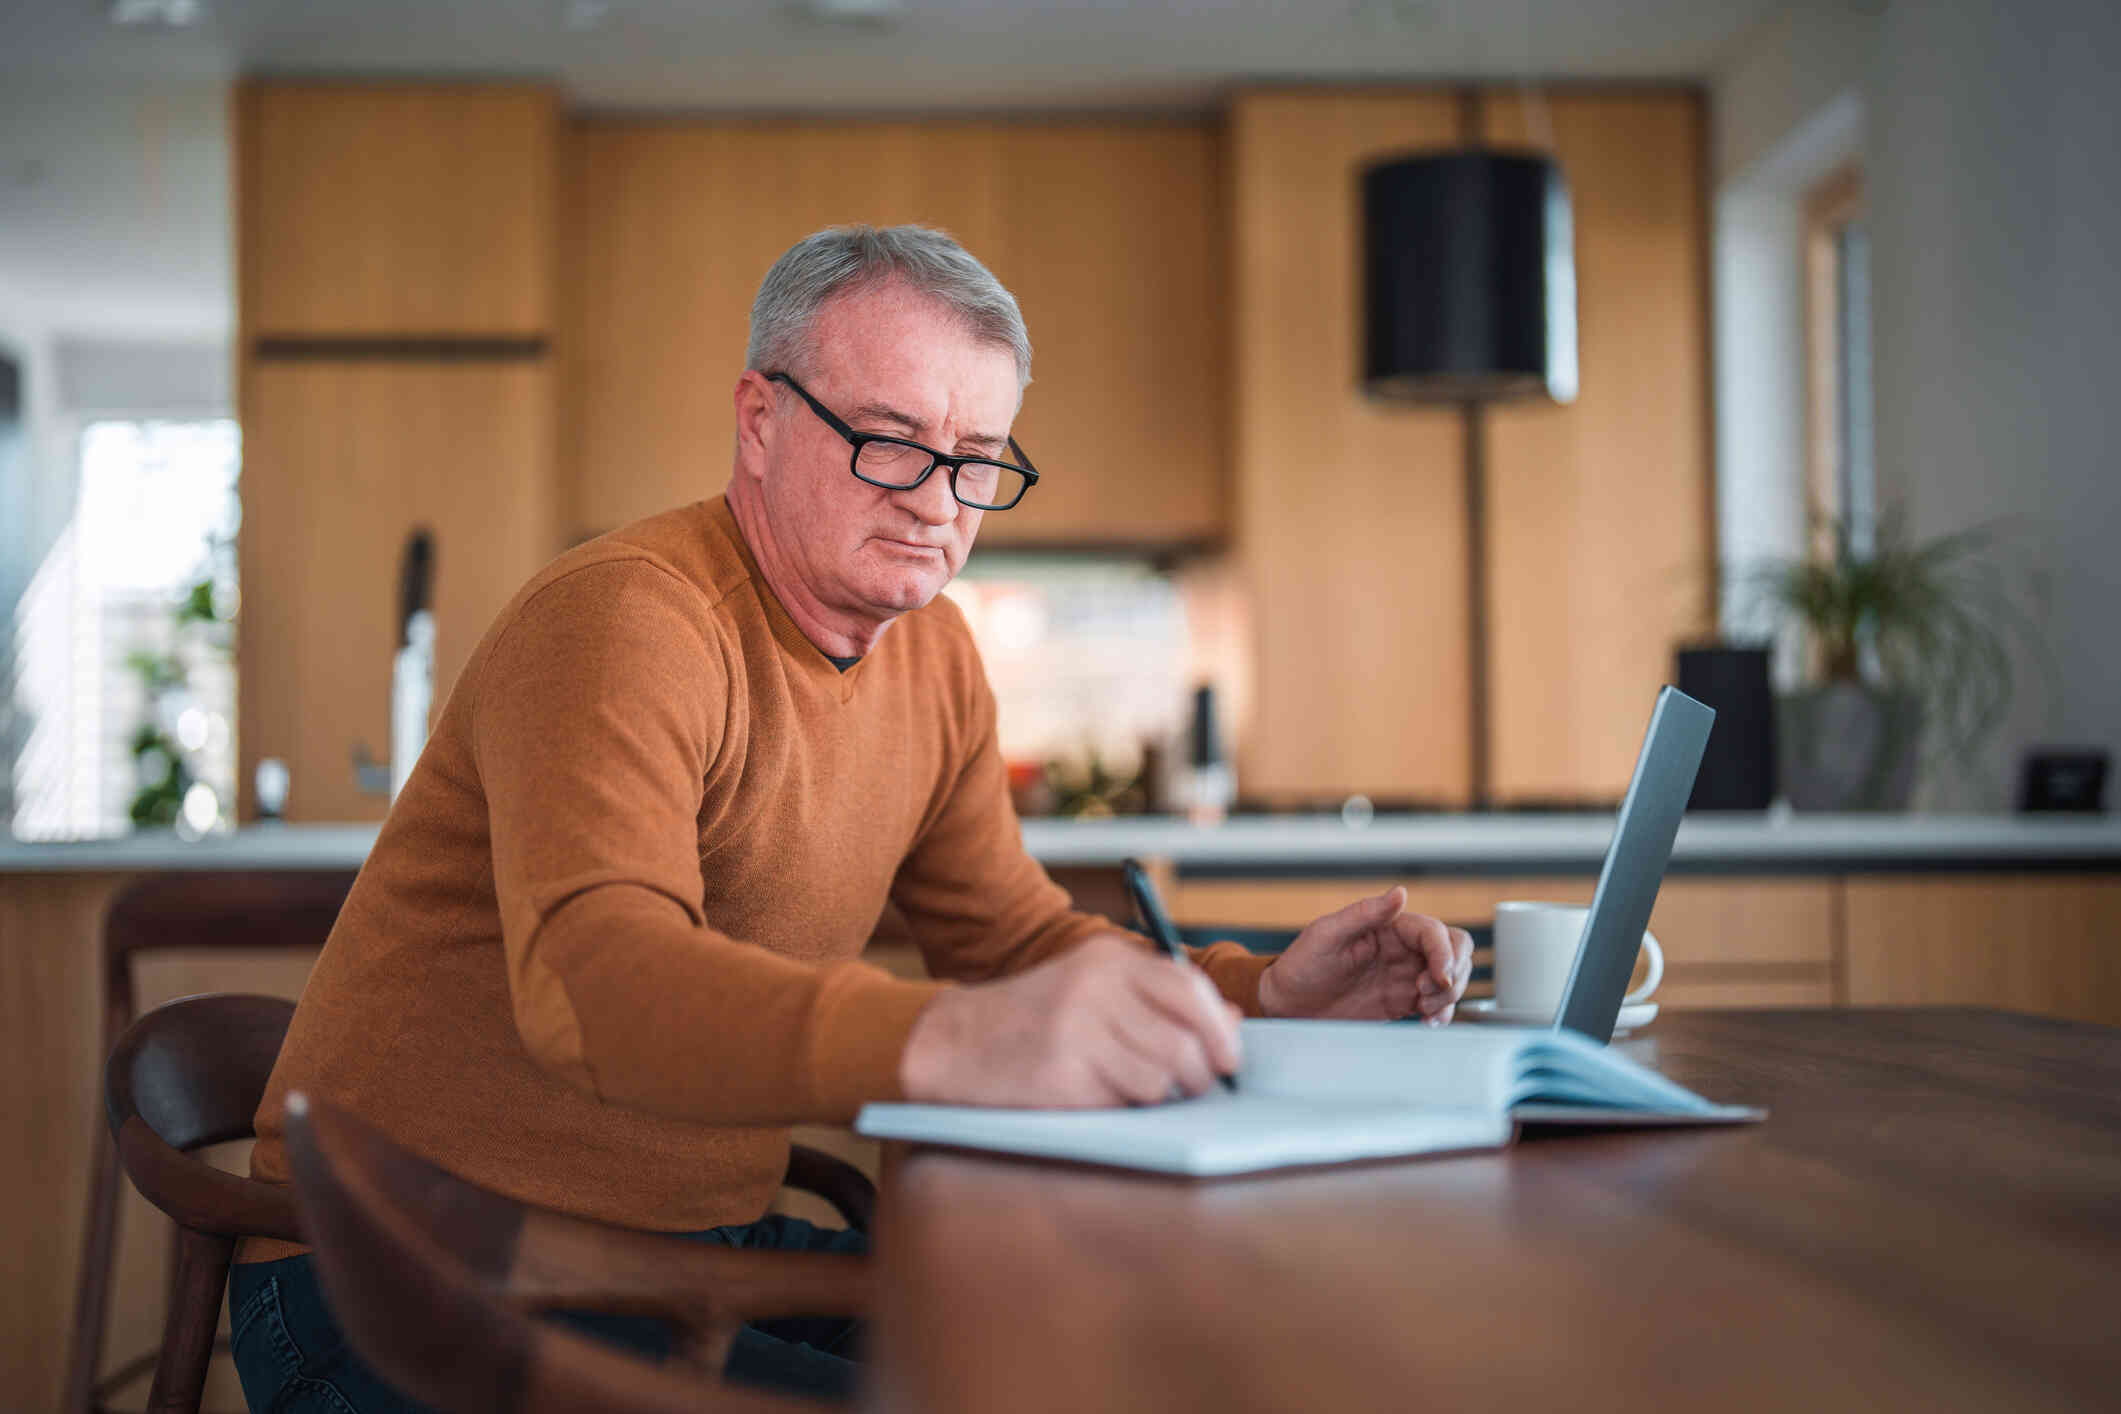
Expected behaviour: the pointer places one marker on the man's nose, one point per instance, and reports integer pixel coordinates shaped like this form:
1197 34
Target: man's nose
932 502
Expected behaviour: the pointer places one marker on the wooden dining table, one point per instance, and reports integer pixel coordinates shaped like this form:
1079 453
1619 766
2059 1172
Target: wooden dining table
1929 1218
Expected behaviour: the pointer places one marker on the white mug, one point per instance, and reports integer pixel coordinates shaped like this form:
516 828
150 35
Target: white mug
1535 947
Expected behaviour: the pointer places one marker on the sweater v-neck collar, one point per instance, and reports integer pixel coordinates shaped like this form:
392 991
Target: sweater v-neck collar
806 657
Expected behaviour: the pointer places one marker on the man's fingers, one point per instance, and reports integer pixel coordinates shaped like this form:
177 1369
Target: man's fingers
1431 940
1183 996
1133 1078
1104 1024
1177 1053
1371 912
1377 908
1439 1002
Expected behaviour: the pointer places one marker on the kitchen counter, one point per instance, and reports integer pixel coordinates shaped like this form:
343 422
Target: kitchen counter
1472 844
1312 845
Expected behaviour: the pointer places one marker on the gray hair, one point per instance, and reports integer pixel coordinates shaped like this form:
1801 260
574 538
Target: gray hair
842 259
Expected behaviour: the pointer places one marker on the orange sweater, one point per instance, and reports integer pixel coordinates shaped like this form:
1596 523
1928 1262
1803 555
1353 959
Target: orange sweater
605 948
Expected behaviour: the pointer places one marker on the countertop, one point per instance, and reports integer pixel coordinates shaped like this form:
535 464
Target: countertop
1287 844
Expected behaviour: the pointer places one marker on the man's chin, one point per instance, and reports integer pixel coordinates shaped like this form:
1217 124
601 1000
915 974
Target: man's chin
902 594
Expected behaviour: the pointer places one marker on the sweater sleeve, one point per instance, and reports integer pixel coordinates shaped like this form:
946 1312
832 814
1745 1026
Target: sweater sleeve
981 907
599 708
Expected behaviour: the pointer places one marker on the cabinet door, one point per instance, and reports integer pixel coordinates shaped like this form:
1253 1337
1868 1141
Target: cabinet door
1106 232
1350 514
2049 944
341 461
396 211
1600 523
1112 239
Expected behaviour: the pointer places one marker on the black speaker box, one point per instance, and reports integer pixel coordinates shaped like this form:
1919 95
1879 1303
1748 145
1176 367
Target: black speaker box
1738 769
2063 779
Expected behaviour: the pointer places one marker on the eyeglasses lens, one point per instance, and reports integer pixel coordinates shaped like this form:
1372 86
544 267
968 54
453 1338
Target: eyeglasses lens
981 484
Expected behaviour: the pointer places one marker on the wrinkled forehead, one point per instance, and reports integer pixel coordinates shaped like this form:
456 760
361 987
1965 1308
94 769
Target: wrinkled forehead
893 344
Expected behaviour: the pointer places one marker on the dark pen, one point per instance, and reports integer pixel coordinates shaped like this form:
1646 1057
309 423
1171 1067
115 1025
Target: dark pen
1151 910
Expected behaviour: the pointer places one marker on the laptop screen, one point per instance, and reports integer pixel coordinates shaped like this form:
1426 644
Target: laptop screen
1634 864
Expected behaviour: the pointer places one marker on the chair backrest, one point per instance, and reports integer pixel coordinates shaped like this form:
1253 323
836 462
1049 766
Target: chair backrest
231 909
191 1074
431 1278
255 908
277 908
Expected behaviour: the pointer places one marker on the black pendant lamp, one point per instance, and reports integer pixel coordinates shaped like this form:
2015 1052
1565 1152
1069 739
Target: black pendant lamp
1470 278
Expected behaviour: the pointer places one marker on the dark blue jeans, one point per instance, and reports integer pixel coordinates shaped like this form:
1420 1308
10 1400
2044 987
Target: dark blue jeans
292 1358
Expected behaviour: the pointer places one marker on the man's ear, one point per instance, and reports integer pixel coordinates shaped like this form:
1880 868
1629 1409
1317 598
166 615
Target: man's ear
756 407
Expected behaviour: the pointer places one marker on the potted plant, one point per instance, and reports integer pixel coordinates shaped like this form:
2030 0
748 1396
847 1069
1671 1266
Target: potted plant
1904 639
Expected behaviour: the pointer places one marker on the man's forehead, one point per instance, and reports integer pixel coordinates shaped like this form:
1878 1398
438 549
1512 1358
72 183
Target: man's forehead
893 347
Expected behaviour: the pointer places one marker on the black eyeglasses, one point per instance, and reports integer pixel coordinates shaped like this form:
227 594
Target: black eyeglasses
899 465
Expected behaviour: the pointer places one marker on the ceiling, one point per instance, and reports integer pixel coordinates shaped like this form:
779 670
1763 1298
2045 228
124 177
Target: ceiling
921 55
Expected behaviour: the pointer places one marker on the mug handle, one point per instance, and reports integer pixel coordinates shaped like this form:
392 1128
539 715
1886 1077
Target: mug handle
1649 983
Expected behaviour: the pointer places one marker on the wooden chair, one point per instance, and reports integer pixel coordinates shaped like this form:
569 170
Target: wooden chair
434 1281
241 910
182 1077
191 1074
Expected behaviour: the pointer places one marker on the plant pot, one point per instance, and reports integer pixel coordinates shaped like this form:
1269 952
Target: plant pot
1848 746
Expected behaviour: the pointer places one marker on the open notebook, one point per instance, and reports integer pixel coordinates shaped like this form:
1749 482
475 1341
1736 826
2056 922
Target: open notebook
1324 1092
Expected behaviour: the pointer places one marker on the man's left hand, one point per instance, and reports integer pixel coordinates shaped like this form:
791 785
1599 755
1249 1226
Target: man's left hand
1371 961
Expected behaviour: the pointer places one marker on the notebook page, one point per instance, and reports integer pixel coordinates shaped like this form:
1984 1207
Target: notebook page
1563 1068
1407 1063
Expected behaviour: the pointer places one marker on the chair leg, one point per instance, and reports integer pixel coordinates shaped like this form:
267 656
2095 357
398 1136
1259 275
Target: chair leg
92 1288
173 1270
188 1330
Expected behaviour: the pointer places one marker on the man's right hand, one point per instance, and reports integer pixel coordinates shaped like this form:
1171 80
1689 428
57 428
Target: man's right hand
1108 1023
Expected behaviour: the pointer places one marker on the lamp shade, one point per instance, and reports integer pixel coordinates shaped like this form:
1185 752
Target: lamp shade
1469 278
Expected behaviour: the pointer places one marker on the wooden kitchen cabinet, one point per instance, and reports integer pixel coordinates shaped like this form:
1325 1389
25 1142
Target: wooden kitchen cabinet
2046 943
1352 513
341 461
1108 232
396 269
395 211
1111 236
2049 944
1729 941
1600 514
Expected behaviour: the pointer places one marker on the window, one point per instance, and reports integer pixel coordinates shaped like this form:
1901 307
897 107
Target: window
1841 484
125 667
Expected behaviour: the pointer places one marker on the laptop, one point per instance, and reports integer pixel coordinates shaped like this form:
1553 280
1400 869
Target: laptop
1634 864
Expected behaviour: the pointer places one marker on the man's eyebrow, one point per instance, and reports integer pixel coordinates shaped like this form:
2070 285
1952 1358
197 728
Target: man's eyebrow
884 412
989 443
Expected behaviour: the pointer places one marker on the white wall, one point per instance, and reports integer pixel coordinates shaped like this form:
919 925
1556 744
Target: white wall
1990 134
1786 112
1759 340
1995 222
1796 63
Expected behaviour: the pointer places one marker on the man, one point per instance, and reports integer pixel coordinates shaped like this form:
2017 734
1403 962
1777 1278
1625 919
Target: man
606 948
